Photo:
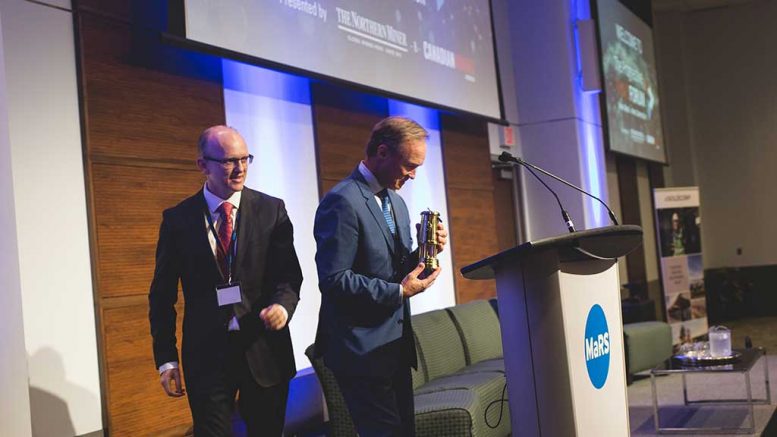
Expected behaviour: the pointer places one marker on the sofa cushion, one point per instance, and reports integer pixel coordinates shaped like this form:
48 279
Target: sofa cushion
418 375
494 365
447 413
439 344
455 405
459 380
478 325
648 344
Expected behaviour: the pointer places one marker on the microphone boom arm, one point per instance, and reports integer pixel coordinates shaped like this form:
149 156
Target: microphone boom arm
507 157
564 213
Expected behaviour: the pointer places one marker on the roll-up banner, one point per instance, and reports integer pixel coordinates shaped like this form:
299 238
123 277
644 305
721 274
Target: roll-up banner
678 225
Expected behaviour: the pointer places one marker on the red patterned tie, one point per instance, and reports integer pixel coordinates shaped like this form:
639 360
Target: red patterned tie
225 235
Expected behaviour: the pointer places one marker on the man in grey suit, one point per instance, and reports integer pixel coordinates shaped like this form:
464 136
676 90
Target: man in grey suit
367 274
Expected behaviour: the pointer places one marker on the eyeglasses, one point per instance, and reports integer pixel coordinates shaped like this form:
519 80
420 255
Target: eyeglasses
231 162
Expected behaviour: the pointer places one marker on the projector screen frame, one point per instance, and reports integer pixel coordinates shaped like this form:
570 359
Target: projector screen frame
604 114
176 36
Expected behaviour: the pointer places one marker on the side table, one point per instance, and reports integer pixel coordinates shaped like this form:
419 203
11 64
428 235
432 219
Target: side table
742 366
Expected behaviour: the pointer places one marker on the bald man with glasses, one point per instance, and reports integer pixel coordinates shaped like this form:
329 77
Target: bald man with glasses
232 249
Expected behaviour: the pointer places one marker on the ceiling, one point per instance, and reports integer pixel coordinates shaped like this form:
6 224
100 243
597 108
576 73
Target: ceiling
694 5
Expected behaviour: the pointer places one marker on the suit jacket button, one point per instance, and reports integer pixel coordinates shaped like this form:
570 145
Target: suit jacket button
399 322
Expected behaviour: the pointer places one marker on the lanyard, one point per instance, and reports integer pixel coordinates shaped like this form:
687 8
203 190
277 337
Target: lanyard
230 253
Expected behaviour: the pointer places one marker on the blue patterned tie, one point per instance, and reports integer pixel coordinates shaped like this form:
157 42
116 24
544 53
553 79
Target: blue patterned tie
384 203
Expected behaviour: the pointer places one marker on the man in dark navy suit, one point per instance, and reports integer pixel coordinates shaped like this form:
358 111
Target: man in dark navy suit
367 274
232 248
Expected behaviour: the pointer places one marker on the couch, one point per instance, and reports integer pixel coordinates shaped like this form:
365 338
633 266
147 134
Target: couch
460 382
647 345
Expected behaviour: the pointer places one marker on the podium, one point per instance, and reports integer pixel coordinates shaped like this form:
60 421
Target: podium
562 335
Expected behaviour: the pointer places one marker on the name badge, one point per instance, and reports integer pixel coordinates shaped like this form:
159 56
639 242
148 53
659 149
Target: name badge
228 294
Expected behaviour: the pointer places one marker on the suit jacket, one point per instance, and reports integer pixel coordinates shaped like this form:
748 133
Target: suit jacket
360 265
267 268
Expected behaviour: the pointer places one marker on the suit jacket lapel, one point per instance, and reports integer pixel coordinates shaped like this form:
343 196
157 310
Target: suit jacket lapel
245 229
200 232
247 220
372 205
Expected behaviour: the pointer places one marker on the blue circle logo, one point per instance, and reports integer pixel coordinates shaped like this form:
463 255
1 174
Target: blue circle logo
597 346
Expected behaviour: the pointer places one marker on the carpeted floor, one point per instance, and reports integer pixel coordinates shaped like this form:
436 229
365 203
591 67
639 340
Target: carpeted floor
704 386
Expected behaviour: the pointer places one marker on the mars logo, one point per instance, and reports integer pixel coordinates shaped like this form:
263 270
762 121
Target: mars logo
597 346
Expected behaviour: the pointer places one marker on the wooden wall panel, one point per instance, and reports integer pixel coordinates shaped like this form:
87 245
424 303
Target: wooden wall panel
144 105
473 237
470 194
141 407
343 121
467 159
504 211
129 201
326 185
137 112
116 8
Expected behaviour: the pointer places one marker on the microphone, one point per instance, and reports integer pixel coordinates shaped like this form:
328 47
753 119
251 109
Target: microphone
507 157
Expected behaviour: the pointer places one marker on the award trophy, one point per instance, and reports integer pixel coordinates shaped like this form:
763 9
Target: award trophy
427 239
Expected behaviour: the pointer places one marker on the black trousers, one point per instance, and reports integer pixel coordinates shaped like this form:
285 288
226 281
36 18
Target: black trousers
380 398
263 409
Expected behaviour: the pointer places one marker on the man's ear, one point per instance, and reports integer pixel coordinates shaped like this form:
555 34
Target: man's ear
201 164
382 151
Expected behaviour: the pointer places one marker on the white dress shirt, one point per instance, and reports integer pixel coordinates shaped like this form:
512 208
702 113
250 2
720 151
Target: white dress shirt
373 183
